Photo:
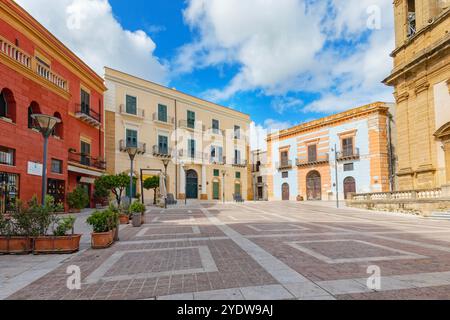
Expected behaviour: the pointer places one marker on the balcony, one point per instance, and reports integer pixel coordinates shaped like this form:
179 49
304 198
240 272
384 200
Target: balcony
348 155
283 165
313 162
218 160
142 147
195 156
86 160
162 152
140 113
189 125
239 163
169 121
216 131
87 115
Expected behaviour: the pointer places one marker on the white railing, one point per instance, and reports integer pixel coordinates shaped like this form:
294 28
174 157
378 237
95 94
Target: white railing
399 195
15 53
48 74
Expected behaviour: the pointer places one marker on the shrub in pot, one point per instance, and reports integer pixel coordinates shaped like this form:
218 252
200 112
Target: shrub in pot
124 213
77 199
137 211
103 224
15 231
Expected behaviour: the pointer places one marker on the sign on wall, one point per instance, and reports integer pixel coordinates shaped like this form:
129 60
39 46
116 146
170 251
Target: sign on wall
34 168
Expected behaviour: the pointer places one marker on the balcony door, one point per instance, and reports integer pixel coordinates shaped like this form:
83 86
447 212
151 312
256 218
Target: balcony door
191 184
85 102
314 186
85 153
163 145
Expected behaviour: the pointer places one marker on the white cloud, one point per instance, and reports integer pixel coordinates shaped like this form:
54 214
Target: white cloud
258 133
89 28
283 46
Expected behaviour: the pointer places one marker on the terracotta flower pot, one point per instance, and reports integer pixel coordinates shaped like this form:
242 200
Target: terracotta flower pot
124 219
50 244
15 245
102 240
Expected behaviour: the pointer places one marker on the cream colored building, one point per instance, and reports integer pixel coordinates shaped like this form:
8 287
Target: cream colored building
421 78
206 145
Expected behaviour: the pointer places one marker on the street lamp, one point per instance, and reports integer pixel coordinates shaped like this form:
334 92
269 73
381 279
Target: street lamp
45 124
336 174
223 185
185 185
132 152
165 163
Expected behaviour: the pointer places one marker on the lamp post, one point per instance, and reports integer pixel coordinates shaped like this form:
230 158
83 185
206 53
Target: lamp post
132 152
165 163
223 185
336 173
45 124
185 185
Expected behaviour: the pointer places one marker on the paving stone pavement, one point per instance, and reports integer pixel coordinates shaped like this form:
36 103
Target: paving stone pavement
251 251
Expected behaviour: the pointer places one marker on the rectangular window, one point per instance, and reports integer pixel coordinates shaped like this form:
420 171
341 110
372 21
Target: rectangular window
347 147
215 126
10 188
216 154
191 148
3 106
7 156
85 153
237 157
57 166
411 23
284 157
132 140
285 175
238 175
348 167
312 153
85 102
191 119
131 105
237 132
216 173
260 180
163 145
162 113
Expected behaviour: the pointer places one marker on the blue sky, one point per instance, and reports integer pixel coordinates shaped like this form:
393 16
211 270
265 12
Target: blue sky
281 61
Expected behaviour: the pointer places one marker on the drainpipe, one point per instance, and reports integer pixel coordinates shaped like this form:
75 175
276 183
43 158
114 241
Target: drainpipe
391 154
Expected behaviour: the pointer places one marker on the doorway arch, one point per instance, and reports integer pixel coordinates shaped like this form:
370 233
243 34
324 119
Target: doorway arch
285 195
191 184
314 186
349 186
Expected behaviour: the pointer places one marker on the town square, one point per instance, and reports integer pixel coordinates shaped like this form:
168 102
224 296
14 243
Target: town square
224 150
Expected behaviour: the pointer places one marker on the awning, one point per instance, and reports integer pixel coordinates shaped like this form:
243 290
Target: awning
87 180
84 171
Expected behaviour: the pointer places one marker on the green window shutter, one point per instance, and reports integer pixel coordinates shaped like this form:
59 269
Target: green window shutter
162 113
163 144
131 105
216 173
191 119
191 147
131 138
238 175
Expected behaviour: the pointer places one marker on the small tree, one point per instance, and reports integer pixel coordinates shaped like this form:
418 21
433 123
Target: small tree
152 183
78 198
116 183
101 191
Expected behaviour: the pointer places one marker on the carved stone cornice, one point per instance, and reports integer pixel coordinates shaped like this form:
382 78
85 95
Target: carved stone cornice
421 86
400 97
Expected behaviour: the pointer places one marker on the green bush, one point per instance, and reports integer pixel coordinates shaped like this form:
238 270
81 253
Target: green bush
78 199
137 207
103 221
63 226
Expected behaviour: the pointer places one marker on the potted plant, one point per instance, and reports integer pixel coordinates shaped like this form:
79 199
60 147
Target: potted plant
78 199
101 193
15 231
60 241
104 225
124 213
137 211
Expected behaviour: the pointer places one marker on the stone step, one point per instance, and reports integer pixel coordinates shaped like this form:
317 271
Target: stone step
440 216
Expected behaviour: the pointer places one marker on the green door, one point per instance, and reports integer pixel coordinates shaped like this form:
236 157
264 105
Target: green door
191 184
237 189
216 189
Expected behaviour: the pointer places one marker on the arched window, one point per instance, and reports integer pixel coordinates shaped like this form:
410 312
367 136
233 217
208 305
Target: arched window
58 130
7 105
32 109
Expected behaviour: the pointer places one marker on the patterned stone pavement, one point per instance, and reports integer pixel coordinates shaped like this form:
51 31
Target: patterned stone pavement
259 251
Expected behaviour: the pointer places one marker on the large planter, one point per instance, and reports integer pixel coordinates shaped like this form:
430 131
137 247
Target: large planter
71 210
102 240
15 245
137 220
124 219
51 244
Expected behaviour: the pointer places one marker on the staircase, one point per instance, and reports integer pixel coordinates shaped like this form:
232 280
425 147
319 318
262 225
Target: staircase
440 216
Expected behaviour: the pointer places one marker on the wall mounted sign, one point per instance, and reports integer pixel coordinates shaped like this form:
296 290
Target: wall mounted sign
34 168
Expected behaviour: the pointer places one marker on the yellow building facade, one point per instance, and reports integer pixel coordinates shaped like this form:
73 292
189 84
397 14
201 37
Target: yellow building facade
204 146
421 78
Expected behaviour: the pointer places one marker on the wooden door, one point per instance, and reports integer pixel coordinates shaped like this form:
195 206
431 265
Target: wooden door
285 192
314 186
349 186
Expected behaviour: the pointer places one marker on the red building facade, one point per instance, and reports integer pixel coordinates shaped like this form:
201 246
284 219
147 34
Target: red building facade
38 74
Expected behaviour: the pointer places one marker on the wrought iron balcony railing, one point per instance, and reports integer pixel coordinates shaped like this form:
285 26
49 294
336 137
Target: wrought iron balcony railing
287 164
196 155
139 113
123 146
218 160
239 163
192 125
167 119
321 159
87 160
86 114
350 154
159 151
216 131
